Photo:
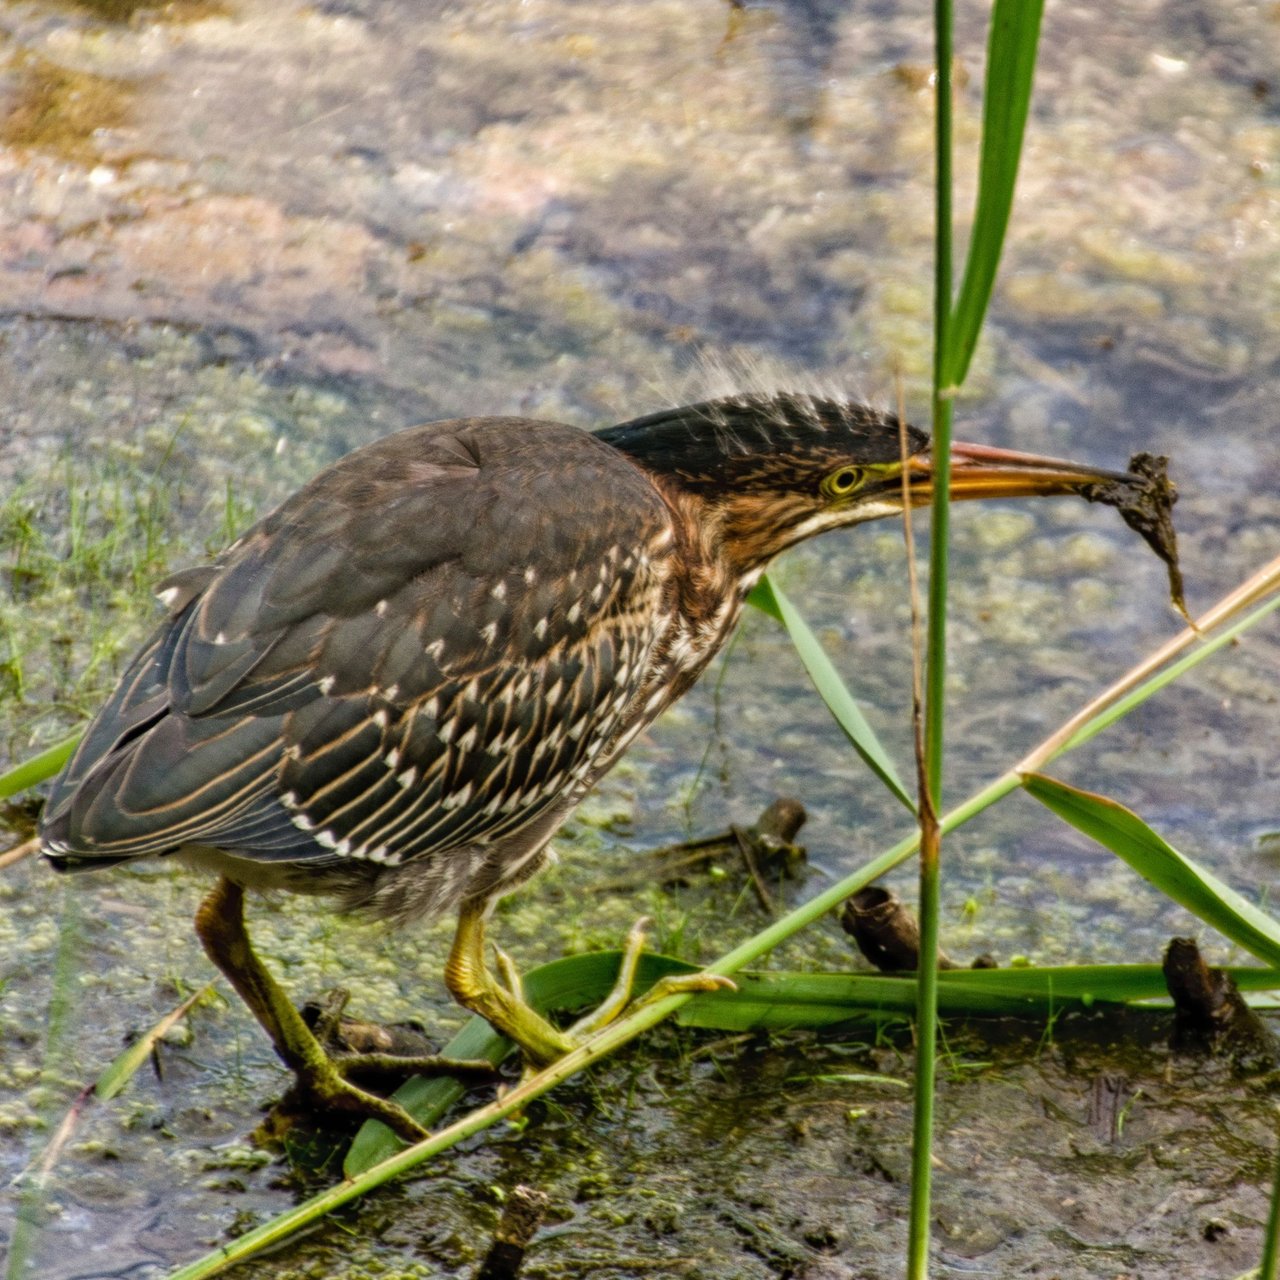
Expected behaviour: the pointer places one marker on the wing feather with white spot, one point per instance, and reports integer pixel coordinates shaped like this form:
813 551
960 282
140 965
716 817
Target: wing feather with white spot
428 646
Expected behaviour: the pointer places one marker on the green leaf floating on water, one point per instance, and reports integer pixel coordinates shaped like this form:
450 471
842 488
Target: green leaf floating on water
779 1001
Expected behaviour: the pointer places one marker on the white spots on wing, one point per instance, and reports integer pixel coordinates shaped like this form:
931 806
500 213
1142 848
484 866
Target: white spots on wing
220 638
541 629
456 799
499 591
381 608
575 612
344 849
430 708
166 598
380 718
446 729
407 778
391 692
468 739
289 799
302 822
392 758
327 683
596 592
489 632
530 575
434 650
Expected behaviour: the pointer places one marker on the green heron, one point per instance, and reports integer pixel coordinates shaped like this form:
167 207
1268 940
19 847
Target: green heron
395 687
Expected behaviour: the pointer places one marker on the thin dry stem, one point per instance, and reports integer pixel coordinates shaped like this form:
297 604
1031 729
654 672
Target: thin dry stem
925 800
26 849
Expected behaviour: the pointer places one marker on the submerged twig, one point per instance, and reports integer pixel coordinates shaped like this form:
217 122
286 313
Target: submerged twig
885 931
521 1218
1210 1014
767 845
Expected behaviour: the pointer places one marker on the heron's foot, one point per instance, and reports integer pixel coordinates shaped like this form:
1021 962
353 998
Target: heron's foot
322 1082
620 999
382 1056
364 1060
323 1089
501 1002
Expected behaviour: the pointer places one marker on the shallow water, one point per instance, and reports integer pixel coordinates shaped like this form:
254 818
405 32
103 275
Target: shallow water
238 240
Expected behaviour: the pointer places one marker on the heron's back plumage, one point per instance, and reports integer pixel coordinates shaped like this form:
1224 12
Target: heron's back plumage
423 651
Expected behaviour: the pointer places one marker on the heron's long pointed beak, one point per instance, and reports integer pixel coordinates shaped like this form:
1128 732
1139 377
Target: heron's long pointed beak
980 471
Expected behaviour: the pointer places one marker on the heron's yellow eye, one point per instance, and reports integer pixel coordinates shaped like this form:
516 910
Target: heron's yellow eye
842 482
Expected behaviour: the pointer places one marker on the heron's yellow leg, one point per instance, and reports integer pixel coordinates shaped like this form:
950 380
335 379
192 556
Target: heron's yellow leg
220 925
502 1003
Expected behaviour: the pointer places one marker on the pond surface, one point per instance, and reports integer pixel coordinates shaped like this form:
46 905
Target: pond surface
238 239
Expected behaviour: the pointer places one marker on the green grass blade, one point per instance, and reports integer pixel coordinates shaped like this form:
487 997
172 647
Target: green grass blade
123 1069
1173 873
1271 1240
1011 61
768 598
38 768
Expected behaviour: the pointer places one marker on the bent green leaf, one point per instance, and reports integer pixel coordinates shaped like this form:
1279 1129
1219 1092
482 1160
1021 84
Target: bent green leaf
1173 873
768 598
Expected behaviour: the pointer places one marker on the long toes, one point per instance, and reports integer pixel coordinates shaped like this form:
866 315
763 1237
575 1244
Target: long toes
688 984
509 975
393 1069
316 1098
